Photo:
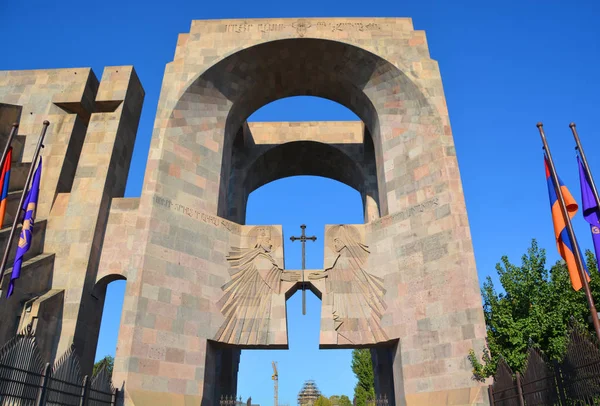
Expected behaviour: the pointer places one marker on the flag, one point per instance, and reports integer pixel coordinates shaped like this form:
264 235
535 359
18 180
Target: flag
29 205
563 242
4 180
591 211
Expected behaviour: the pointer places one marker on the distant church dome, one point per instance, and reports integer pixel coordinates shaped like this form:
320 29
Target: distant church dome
309 394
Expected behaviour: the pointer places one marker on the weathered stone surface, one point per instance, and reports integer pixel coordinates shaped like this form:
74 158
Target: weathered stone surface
185 316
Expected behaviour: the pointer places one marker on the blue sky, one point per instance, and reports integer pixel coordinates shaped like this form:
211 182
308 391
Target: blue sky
505 66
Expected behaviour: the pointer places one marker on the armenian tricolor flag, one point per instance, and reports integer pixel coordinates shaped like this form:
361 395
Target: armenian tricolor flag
4 181
563 242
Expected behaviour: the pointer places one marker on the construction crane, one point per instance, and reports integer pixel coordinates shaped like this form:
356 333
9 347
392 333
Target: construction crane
275 379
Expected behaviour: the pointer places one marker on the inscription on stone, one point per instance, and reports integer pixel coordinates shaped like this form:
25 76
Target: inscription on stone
408 213
270 27
197 214
239 28
419 208
302 26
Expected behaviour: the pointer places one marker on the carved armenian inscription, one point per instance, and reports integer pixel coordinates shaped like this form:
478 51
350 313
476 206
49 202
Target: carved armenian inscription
301 26
408 213
197 214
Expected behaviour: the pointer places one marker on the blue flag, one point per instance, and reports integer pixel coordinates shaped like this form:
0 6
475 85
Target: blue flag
29 206
591 211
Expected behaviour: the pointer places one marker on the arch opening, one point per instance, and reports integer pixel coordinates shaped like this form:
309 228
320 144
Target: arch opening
263 152
289 202
268 163
108 295
213 110
303 108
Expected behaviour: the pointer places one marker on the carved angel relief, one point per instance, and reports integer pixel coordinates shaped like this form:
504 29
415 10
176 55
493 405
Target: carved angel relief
357 295
246 302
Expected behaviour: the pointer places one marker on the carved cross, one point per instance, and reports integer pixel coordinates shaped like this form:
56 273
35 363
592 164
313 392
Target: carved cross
303 238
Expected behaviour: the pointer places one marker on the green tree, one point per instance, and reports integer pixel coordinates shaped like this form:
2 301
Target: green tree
322 401
345 401
108 362
536 307
363 369
334 400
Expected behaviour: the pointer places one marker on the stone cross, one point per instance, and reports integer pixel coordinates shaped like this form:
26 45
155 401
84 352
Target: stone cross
303 238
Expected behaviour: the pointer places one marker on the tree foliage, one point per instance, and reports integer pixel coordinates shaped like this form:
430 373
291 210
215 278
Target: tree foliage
535 308
362 367
322 401
345 401
107 361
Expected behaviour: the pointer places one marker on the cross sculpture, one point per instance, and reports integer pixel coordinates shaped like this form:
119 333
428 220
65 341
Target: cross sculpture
303 238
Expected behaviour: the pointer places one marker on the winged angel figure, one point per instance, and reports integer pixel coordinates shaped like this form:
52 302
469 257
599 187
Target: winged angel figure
246 302
357 295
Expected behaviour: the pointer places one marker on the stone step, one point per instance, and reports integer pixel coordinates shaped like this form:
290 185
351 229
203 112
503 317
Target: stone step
36 275
35 280
37 245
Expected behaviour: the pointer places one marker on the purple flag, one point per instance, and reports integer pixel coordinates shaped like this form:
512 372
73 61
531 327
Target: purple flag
29 205
591 211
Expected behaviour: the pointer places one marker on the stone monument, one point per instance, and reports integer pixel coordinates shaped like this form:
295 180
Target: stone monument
201 285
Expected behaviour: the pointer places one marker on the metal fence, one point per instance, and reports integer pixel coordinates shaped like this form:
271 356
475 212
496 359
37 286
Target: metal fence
231 401
573 381
26 381
380 401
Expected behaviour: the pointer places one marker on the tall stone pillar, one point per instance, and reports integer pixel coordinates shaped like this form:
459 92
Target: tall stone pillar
76 228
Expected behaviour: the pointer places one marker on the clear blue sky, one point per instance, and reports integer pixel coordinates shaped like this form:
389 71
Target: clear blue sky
505 66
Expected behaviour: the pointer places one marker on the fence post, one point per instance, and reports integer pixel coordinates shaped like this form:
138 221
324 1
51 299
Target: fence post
520 390
115 396
41 396
491 394
560 386
85 391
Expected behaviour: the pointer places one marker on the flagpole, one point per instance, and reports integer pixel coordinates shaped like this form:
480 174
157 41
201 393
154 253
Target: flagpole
585 163
13 132
27 181
565 213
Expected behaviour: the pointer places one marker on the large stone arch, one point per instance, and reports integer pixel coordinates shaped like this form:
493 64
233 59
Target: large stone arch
215 105
177 342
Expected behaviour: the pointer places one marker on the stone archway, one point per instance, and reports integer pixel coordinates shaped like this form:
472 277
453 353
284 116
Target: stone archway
415 249
265 152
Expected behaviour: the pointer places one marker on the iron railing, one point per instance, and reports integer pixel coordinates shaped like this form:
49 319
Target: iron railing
26 381
231 401
380 401
573 381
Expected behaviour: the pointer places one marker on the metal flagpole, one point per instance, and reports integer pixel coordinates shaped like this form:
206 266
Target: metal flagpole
585 163
565 213
12 134
25 190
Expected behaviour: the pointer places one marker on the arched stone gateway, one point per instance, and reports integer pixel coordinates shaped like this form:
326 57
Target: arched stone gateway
201 285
